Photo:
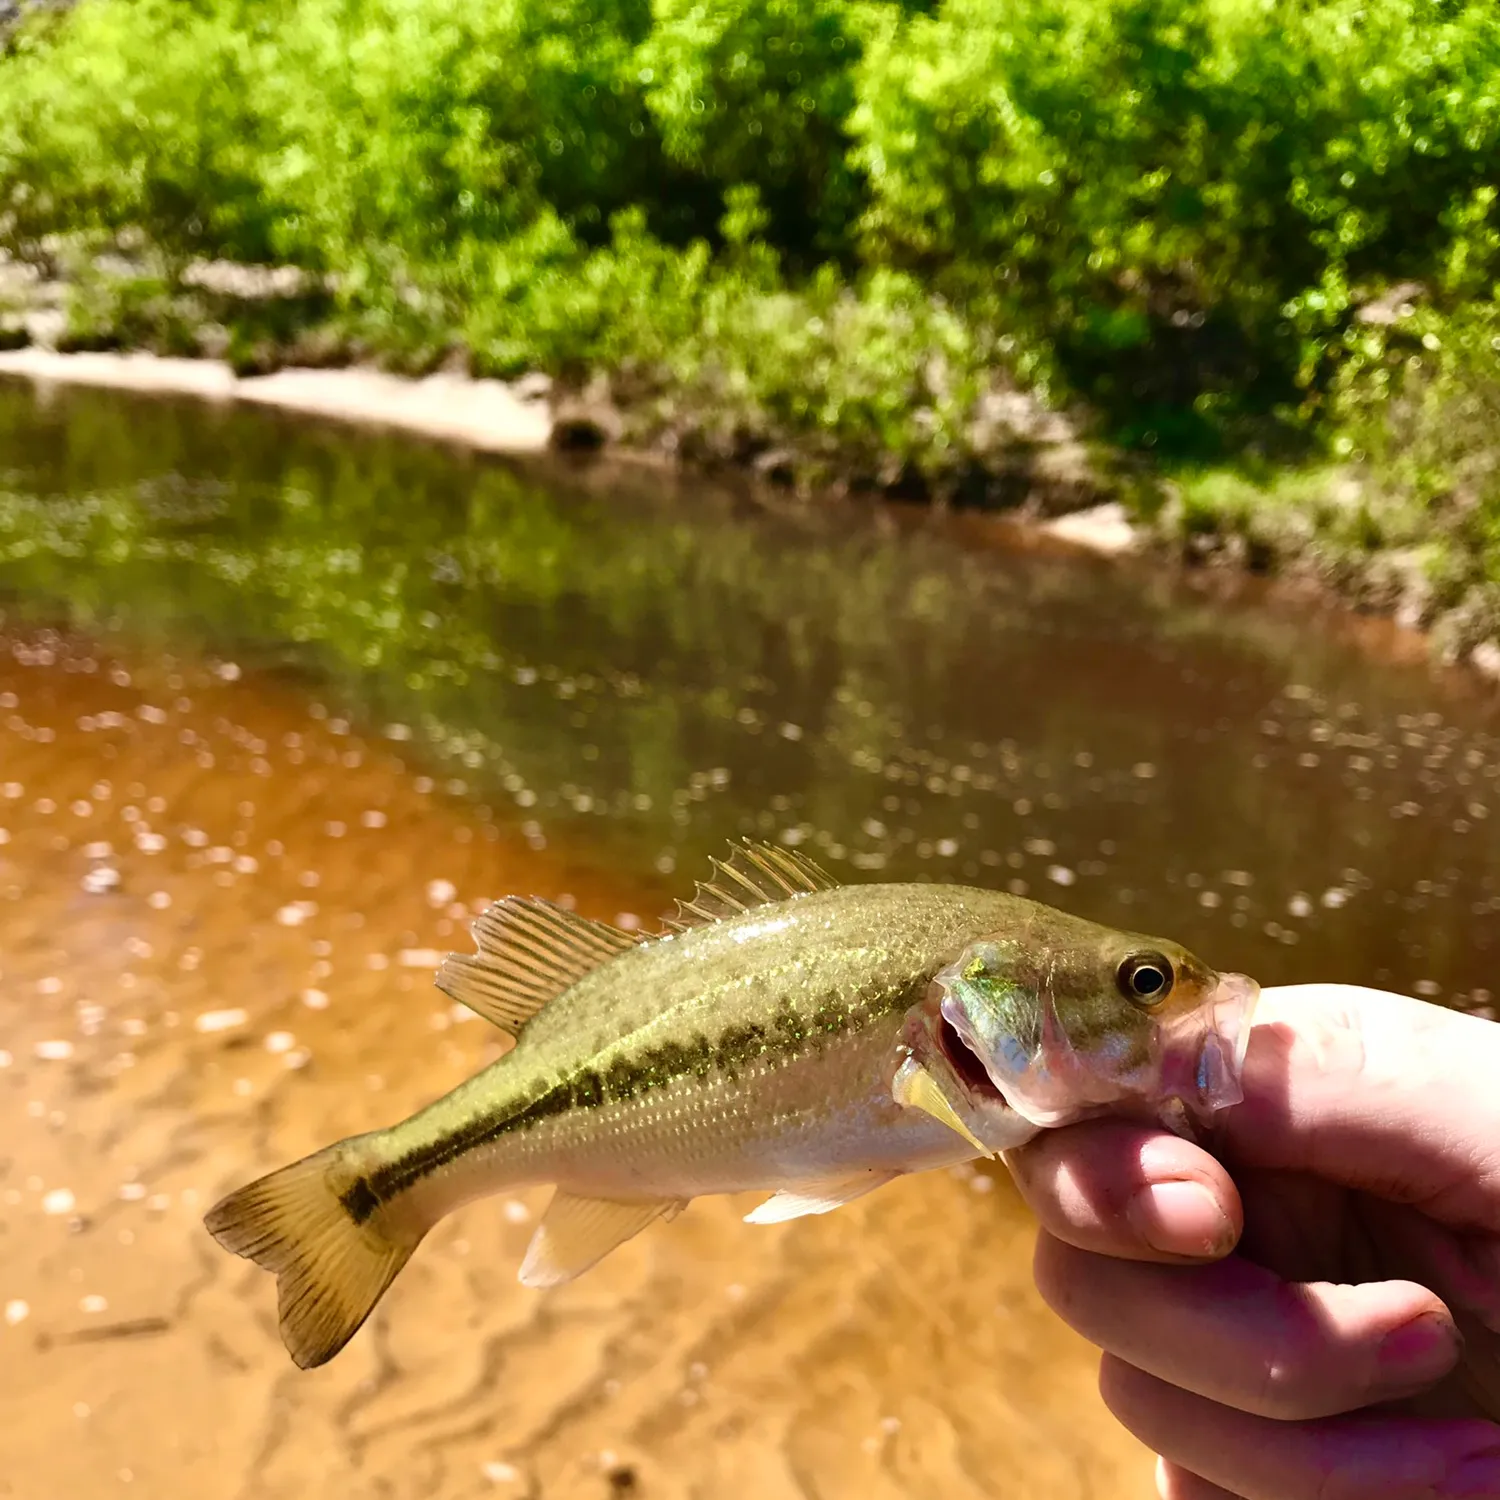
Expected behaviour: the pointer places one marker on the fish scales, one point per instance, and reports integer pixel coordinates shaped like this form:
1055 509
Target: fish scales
725 1024
790 1035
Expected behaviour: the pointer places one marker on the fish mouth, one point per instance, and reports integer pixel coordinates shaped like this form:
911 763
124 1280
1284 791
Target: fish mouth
968 1067
1221 1063
1203 1053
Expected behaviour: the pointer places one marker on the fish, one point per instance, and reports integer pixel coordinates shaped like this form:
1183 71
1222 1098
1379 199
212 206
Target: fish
784 1033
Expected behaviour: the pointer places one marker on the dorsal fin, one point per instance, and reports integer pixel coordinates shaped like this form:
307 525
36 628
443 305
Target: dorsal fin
530 951
754 875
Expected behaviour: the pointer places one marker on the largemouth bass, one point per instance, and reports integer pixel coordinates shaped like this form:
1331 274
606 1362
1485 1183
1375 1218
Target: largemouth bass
785 1033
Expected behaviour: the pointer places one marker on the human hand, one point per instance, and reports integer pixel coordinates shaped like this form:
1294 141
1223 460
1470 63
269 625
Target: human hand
1349 1346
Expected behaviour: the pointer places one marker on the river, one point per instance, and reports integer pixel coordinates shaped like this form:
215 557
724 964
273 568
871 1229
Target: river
282 705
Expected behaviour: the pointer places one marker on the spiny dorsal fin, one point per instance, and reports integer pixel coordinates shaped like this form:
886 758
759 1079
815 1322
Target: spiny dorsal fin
753 875
530 951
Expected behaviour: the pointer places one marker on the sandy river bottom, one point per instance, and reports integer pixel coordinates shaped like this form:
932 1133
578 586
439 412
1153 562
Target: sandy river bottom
220 911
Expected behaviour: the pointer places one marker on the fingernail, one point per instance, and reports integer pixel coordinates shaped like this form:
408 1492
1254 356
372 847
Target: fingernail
1418 1352
1182 1218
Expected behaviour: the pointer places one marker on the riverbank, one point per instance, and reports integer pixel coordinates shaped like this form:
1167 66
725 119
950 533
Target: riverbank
490 416
525 416
1296 526
811 243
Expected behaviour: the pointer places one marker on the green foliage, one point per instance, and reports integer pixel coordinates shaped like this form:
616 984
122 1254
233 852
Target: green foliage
361 136
1407 515
1422 409
838 219
756 92
1191 193
115 312
131 116
438 126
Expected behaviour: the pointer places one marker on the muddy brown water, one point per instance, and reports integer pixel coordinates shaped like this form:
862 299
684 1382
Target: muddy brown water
281 707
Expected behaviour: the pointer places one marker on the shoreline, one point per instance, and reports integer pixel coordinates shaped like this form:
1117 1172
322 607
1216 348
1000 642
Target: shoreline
489 416
486 415
521 419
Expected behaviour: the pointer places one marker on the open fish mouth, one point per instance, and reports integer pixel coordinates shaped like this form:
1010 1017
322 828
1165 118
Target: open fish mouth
967 1065
1219 1062
1192 1062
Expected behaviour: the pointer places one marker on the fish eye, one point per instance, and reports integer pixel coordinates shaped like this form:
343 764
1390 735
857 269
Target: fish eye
1145 978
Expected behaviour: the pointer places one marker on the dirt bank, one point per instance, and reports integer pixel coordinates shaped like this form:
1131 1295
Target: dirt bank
487 415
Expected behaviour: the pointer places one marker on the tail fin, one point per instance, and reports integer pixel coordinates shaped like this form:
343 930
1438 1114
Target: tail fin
331 1268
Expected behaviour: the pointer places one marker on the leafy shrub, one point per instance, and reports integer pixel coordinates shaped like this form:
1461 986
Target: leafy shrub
1421 409
1188 194
756 92
132 116
1172 208
438 125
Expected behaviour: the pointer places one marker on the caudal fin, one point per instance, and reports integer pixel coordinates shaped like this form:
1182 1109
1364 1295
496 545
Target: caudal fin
331 1267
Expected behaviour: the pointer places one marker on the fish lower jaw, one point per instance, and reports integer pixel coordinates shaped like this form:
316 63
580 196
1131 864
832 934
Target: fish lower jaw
939 1075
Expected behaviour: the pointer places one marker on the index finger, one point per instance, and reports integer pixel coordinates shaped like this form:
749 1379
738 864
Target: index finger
1125 1189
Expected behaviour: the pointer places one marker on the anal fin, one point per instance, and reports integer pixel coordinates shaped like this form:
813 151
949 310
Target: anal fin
577 1232
817 1197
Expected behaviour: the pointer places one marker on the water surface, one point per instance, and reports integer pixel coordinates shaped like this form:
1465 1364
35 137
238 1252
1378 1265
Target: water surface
282 705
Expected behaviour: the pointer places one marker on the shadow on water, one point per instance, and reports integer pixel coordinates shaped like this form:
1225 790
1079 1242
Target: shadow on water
281 705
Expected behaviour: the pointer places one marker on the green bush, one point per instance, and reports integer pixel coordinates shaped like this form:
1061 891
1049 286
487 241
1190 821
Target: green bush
134 116
359 136
1188 194
1419 407
756 92
404 133
1174 208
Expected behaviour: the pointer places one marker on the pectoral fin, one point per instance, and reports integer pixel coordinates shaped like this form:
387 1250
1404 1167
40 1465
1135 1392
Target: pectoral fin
576 1233
916 1088
816 1198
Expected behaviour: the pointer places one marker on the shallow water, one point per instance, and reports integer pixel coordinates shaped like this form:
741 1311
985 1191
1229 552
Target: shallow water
281 706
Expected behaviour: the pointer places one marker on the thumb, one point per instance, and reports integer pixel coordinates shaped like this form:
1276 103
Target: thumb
1368 1090
1392 1096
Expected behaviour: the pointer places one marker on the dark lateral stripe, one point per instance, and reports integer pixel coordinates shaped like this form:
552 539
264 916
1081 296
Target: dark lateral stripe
363 1197
621 1081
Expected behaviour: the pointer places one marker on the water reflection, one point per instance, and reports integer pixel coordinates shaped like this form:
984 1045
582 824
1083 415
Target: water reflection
280 706
643 672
